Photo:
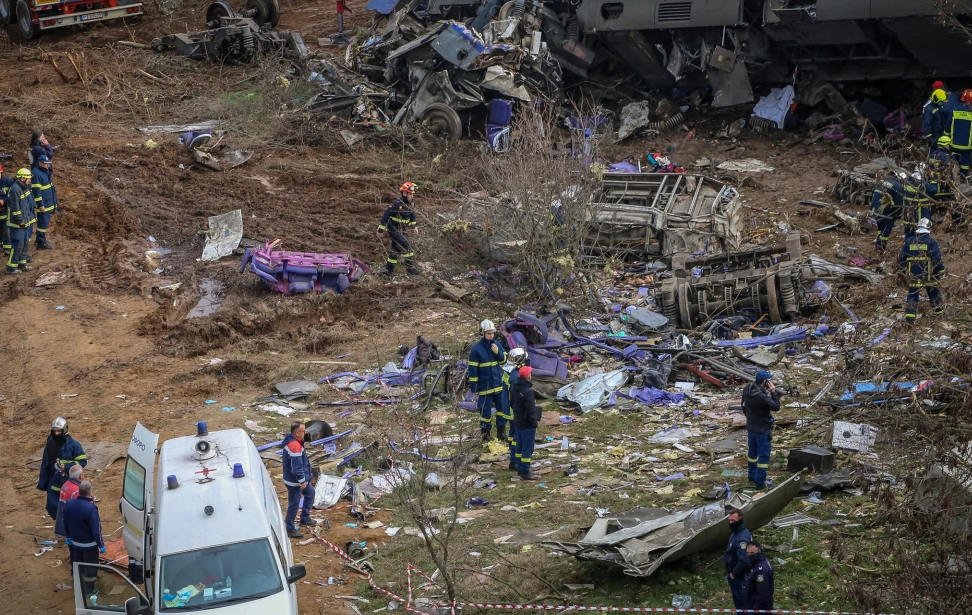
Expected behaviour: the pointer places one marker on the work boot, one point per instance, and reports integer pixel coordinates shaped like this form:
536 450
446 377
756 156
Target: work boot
309 522
487 436
513 467
44 246
13 271
528 476
501 433
412 271
26 268
28 258
295 533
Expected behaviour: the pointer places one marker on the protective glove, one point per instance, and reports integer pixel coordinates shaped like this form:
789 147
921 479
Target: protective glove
102 550
23 225
68 542
900 279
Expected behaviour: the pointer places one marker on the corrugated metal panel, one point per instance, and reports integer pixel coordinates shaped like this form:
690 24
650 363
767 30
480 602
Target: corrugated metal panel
669 12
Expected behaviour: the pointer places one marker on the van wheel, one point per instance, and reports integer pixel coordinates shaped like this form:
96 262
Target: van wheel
6 12
28 28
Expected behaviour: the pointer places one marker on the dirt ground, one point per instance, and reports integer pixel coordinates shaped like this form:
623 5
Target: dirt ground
106 348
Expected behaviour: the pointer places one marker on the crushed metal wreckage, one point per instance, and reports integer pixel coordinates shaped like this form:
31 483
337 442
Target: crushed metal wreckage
236 36
665 213
444 72
445 60
776 281
640 541
302 272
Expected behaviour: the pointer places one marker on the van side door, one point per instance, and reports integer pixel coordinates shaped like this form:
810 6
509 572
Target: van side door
138 490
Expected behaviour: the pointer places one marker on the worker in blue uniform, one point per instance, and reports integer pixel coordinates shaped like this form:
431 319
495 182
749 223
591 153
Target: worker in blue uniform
934 122
61 453
45 199
5 184
920 264
82 531
760 582
486 378
736 560
886 202
398 218
20 220
759 400
960 131
515 359
39 146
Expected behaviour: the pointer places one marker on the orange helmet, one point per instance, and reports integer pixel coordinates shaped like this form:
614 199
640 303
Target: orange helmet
408 187
967 96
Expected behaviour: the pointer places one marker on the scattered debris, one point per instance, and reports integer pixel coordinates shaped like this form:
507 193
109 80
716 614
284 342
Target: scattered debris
224 235
666 536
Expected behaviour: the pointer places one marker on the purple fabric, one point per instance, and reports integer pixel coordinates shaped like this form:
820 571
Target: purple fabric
655 397
794 335
293 272
622 167
675 476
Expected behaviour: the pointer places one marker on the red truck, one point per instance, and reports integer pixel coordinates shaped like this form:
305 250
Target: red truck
36 16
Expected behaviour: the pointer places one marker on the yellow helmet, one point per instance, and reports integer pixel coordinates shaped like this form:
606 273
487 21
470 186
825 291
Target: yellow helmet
938 96
945 140
23 173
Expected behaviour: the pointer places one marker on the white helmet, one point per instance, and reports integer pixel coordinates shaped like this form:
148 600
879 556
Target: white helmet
924 226
59 424
902 175
487 326
916 176
517 356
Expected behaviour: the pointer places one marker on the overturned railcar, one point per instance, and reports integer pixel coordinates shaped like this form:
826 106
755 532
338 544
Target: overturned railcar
739 42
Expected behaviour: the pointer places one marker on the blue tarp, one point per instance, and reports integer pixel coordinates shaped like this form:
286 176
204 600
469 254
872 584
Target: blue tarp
791 335
655 397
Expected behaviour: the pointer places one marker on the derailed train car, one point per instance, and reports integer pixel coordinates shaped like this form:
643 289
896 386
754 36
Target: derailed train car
738 42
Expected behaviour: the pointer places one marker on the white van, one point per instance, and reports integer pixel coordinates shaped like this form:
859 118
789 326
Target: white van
209 537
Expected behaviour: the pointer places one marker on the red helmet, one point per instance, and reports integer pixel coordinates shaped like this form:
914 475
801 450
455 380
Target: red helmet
967 96
408 187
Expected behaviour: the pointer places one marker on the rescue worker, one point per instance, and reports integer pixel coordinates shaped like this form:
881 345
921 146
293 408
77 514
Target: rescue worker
297 477
760 583
526 419
45 199
5 184
886 202
39 147
20 217
960 130
399 217
69 491
486 379
921 265
934 122
514 361
61 453
736 560
916 203
759 400
82 528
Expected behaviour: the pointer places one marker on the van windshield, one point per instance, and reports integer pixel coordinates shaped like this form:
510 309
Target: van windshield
213 577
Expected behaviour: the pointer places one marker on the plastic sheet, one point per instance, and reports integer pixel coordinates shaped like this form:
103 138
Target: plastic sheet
594 391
